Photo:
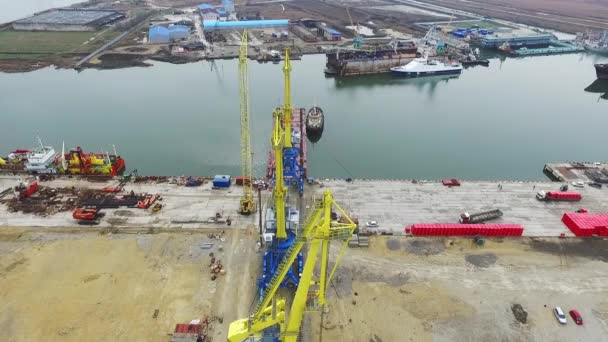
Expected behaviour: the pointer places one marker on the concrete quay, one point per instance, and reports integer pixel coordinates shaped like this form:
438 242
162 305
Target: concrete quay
396 204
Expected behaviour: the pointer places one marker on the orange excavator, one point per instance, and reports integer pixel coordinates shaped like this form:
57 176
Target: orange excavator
91 215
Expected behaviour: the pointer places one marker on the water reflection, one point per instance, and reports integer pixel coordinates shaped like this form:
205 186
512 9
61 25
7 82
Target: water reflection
427 84
599 87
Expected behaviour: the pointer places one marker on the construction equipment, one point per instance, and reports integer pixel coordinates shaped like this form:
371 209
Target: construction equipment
269 318
247 205
358 39
480 217
90 215
292 174
279 190
287 105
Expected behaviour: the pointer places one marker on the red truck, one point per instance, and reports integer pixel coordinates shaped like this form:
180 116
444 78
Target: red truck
558 196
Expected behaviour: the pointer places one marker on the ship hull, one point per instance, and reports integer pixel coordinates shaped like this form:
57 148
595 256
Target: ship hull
361 62
425 73
601 70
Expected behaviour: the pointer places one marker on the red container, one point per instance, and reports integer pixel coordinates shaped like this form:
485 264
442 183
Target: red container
455 229
585 224
194 329
564 196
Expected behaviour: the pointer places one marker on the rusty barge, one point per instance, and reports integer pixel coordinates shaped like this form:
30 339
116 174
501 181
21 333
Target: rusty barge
369 60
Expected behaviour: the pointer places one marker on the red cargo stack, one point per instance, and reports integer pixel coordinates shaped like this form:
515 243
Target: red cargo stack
564 196
455 229
585 224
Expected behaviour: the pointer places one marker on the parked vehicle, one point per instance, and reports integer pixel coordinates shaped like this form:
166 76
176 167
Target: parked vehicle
578 184
558 196
480 217
576 316
451 182
595 185
371 224
559 315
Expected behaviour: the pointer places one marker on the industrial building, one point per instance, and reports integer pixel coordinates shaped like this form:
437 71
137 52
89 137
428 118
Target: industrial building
166 35
330 34
216 25
68 20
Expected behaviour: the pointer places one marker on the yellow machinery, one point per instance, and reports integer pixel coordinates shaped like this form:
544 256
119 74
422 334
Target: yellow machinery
287 110
318 231
247 205
279 191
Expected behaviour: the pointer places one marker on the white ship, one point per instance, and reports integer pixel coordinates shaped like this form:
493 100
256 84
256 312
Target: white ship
40 160
424 67
597 42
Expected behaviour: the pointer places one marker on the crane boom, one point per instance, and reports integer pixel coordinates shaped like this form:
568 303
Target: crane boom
319 230
247 204
279 186
287 110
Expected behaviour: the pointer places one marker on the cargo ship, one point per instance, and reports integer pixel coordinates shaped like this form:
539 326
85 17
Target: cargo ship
44 160
597 42
372 60
315 122
601 70
77 162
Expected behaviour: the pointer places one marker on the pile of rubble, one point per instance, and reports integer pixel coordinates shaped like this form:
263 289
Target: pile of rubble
215 267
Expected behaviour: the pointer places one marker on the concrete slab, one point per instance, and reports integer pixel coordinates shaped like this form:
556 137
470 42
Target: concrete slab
183 207
396 204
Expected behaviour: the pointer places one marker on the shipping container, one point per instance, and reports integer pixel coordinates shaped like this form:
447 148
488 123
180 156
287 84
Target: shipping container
455 229
585 224
221 181
558 196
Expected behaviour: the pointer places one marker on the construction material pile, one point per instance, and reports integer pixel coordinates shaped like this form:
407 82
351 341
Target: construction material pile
215 267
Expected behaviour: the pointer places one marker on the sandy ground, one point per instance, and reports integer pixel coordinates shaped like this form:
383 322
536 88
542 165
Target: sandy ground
452 290
92 287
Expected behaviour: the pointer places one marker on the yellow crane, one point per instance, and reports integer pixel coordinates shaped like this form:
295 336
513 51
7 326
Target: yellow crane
287 110
319 231
247 205
279 190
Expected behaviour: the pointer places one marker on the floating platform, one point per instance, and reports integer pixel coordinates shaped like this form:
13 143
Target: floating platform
577 172
557 47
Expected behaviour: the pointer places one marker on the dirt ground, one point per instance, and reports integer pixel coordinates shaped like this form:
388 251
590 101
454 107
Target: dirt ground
563 15
453 290
92 287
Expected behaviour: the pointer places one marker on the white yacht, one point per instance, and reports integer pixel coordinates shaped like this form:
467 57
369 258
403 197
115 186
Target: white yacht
41 159
424 67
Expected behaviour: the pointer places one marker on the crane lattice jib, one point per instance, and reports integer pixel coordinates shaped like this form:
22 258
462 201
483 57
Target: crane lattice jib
247 203
319 230
287 110
279 184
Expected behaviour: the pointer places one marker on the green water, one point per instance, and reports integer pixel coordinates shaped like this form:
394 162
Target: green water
501 122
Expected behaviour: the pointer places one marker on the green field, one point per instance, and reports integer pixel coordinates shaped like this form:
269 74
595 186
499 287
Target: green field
24 43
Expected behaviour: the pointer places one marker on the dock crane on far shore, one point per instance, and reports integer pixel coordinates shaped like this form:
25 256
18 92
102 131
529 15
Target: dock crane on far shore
247 205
